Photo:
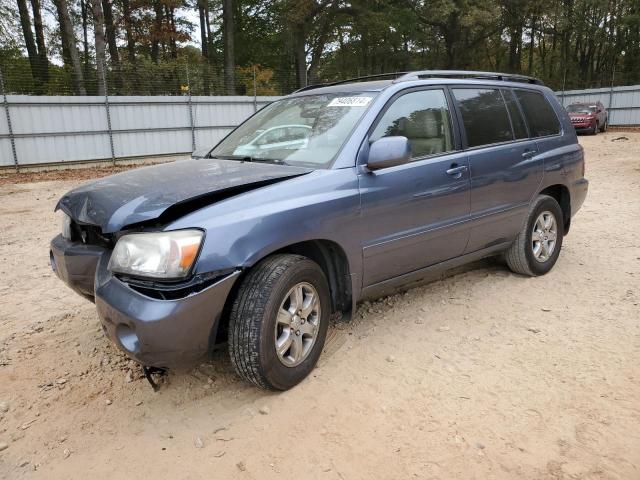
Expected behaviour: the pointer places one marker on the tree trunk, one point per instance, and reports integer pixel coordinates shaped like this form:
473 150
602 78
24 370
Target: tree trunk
531 45
229 47
209 36
131 44
203 29
98 22
32 51
300 52
173 47
43 62
204 40
110 28
156 31
84 11
69 41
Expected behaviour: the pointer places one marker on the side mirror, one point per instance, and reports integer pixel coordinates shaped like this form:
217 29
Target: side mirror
388 152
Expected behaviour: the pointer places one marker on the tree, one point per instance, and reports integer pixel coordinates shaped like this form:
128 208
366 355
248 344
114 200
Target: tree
30 44
98 29
72 59
110 28
131 43
229 47
43 61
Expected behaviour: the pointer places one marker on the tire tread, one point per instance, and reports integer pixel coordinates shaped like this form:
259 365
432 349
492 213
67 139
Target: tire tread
246 316
516 255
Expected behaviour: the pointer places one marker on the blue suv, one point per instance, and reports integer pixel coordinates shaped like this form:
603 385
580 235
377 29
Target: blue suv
328 196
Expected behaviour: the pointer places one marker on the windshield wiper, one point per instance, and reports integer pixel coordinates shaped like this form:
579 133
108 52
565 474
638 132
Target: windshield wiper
248 158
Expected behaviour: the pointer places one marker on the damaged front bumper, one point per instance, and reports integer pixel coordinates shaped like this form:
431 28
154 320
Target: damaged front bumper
154 332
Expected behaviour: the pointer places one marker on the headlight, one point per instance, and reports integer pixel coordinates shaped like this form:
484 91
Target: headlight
66 226
166 255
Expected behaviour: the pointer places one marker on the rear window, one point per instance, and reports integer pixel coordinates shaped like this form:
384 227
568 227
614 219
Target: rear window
484 115
540 116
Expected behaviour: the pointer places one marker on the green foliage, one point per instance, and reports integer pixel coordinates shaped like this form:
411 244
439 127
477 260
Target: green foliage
570 43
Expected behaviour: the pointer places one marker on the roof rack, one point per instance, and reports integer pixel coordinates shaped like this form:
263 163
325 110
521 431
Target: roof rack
424 74
505 77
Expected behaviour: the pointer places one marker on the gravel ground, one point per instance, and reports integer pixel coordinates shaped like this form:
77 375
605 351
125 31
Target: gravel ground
484 374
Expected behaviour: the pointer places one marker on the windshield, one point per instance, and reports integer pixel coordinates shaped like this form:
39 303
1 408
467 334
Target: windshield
581 109
306 131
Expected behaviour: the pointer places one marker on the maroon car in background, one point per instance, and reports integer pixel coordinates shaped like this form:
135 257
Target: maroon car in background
588 117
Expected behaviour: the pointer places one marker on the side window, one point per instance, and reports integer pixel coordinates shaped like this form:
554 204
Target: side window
540 115
484 115
422 117
519 127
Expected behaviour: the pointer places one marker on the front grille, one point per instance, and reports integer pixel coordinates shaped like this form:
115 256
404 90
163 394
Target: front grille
91 235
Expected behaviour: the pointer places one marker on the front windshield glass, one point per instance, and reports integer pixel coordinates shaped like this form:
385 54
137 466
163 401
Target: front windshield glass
581 109
305 131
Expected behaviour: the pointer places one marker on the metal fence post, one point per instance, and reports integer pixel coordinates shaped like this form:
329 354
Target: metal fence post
190 105
610 106
564 81
106 105
9 126
255 91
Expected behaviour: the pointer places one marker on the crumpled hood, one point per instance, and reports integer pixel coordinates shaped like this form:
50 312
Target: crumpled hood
146 193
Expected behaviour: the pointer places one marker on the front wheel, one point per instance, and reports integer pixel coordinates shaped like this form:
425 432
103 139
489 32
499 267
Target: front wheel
603 129
537 247
595 129
278 321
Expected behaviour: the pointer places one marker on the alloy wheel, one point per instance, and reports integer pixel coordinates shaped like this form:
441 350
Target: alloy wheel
297 324
544 236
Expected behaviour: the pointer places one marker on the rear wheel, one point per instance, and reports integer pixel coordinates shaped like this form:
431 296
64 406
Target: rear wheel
279 320
537 246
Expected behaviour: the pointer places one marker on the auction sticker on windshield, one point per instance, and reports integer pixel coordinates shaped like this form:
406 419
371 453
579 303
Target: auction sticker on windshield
350 102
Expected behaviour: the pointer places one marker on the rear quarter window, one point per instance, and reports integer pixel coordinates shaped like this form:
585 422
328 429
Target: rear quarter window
540 116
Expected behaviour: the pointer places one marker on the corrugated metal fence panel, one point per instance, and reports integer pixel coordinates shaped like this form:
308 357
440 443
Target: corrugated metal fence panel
66 128
6 157
211 127
60 129
625 102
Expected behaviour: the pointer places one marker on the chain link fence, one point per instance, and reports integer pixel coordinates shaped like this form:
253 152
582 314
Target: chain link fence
144 78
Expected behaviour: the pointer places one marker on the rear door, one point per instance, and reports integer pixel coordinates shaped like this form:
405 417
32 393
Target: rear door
415 215
505 166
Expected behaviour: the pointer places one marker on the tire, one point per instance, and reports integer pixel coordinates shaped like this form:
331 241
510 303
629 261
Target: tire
254 321
603 129
521 256
595 129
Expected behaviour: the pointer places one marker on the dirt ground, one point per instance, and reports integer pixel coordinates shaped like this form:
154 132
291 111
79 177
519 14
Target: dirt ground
482 375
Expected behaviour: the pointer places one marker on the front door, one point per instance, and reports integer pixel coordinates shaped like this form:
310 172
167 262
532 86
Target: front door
415 215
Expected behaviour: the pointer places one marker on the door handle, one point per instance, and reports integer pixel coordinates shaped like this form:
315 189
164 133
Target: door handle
529 153
456 170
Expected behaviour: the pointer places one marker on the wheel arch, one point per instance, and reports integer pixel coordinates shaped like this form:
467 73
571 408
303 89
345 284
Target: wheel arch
333 261
561 194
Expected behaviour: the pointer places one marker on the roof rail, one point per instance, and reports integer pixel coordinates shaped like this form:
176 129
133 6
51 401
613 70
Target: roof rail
506 77
423 74
352 80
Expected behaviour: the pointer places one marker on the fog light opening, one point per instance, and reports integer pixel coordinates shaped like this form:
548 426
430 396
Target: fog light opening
127 338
